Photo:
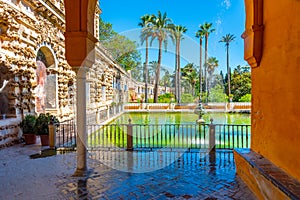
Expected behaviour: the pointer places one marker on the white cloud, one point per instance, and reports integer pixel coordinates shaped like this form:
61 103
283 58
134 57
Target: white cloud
218 26
226 4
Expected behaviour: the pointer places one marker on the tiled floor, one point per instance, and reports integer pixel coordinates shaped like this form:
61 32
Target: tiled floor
121 175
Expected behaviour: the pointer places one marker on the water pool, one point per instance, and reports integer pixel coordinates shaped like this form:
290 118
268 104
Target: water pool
172 130
182 118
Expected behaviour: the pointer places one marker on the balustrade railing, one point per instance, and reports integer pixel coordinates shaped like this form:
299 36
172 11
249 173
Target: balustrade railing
232 106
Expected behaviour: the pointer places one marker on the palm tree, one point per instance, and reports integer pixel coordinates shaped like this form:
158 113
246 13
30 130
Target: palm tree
227 39
206 28
152 71
146 24
160 29
177 36
200 34
212 64
166 80
189 74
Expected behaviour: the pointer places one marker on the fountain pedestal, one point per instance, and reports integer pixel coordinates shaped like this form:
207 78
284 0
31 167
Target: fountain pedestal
200 112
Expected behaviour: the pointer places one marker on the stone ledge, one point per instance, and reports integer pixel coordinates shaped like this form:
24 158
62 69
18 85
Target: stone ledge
265 179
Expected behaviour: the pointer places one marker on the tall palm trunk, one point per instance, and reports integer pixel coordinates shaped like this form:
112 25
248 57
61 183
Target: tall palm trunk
228 70
200 73
178 70
157 72
205 64
176 75
146 72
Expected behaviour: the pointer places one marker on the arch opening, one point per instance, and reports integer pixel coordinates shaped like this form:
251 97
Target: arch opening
46 90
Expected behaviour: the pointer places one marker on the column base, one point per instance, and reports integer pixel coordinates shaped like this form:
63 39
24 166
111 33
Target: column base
80 173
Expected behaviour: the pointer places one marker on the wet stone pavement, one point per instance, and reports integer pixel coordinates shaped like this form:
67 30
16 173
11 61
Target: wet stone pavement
122 175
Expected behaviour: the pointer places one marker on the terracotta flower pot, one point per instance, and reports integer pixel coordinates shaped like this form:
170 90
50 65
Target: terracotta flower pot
44 140
30 138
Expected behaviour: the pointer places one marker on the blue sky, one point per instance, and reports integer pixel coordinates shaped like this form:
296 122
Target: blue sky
227 16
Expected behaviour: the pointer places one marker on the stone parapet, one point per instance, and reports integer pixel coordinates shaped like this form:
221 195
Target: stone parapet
265 179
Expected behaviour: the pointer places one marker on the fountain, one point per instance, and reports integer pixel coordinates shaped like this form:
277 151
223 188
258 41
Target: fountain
200 112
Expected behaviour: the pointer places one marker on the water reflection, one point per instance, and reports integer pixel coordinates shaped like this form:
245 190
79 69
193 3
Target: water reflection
194 175
148 161
212 161
82 192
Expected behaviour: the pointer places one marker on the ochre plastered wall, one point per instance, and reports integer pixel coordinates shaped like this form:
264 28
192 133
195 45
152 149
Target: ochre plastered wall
276 88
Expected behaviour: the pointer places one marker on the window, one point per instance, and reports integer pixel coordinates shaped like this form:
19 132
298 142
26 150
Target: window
103 93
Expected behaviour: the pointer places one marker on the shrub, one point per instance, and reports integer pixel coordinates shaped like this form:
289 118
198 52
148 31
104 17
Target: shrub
42 122
165 98
28 124
150 100
217 94
187 98
245 98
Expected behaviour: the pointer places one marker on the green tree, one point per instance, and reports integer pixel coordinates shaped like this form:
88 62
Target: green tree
166 80
122 49
152 70
240 82
105 30
137 73
227 39
146 24
187 98
207 29
212 64
217 94
200 34
245 98
177 36
129 60
160 29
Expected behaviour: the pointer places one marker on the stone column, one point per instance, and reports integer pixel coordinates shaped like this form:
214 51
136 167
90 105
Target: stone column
81 123
129 136
212 136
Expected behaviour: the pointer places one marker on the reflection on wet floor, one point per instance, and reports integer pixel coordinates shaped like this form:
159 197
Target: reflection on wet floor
147 161
44 153
48 152
158 175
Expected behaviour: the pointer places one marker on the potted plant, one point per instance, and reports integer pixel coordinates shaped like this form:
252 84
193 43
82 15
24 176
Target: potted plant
28 128
41 127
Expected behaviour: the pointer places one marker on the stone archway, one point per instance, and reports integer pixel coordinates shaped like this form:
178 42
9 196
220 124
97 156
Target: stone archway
46 90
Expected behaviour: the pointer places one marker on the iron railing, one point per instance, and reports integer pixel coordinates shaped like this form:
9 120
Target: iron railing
66 135
191 136
169 136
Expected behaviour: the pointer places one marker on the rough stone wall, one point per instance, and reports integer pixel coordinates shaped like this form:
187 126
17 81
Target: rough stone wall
106 82
27 27
24 32
9 133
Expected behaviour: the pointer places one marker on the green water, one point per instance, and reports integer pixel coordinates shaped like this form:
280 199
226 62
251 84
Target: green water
175 130
182 118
